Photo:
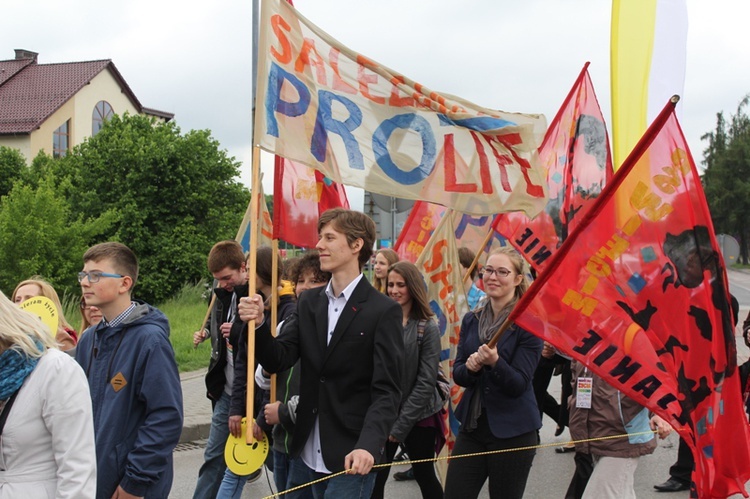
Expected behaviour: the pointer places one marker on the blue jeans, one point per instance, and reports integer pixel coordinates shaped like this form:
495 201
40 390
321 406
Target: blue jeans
232 485
281 467
349 486
212 470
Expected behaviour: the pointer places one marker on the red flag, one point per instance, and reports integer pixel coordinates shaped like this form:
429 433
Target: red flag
419 226
576 153
300 195
644 303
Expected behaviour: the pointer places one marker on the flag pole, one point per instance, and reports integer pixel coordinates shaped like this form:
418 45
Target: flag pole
252 264
274 304
254 204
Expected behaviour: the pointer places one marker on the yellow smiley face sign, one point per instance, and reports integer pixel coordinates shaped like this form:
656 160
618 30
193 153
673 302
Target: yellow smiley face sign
243 458
45 309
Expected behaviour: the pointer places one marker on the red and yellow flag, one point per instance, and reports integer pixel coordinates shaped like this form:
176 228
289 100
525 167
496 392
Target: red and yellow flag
576 154
644 303
300 195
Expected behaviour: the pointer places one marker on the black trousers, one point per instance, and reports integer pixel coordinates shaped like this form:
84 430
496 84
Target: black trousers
507 471
584 468
682 469
420 444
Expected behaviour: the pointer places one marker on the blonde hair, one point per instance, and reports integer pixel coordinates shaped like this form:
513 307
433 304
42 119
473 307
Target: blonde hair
391 257
49 292
22 331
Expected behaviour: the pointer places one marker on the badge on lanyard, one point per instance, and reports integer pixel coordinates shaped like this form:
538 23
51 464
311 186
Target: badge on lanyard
584 385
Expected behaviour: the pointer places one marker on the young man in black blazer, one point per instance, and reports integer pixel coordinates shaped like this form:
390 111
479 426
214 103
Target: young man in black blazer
349 338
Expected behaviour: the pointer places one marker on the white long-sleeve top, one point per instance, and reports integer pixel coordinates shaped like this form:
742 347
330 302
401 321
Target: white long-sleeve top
47 446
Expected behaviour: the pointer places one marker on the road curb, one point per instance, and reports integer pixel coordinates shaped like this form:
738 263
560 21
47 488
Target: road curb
192 433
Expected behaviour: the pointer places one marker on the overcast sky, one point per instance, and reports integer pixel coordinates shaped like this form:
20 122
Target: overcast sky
194 58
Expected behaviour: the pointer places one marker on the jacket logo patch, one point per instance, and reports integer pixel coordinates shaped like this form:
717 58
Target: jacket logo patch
118 382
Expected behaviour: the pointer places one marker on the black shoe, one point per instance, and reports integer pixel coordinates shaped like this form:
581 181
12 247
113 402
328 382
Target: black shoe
565 449
402 476
672 485
559 430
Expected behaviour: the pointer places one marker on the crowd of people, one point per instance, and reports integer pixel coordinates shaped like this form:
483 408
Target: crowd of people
93 413
98 412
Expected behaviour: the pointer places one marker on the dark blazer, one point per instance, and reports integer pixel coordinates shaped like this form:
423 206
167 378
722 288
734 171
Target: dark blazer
352 384
506 391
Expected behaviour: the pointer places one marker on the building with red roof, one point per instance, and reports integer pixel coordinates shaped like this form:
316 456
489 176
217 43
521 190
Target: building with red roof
53 107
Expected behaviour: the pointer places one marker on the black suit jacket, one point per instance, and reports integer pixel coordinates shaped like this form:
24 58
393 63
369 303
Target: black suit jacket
351 384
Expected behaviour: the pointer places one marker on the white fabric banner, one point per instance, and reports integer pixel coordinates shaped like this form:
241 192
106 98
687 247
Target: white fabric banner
363 125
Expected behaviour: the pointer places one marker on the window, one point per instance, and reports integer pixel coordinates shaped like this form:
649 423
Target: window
61 140
102 112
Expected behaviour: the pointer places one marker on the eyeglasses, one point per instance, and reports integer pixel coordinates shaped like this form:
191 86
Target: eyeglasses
95 275
501 272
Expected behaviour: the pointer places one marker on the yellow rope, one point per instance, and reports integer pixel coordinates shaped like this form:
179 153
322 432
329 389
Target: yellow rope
474 454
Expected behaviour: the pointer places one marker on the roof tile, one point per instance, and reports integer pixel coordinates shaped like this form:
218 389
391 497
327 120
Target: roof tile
34 91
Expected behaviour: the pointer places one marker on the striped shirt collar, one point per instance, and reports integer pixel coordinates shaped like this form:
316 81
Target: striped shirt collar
120 318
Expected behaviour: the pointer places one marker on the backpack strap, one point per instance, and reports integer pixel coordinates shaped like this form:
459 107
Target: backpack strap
420 331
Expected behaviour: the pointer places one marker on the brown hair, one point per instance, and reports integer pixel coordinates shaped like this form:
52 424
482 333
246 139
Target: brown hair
264 265
354 225
225 254
466 258
420 309
309 262
391 257
122 258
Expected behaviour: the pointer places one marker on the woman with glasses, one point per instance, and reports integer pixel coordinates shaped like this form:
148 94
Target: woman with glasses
90 315
66 336
498 409
47 445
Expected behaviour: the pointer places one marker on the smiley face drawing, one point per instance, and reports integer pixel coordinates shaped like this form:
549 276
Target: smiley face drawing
243 458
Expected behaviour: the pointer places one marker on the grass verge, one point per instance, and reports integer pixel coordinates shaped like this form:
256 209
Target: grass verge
186 312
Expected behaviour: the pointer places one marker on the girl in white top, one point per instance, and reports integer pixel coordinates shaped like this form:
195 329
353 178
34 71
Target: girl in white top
47 442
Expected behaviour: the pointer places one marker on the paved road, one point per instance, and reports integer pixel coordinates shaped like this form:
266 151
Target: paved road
739 286
550 473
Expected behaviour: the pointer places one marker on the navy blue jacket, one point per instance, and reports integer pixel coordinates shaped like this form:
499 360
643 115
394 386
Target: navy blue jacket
506 391
137 401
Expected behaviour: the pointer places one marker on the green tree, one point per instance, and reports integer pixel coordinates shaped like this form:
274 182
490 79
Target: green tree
40 236
726 179
175 195
12 166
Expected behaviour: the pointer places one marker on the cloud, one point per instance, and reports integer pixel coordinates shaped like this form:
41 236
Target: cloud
194 59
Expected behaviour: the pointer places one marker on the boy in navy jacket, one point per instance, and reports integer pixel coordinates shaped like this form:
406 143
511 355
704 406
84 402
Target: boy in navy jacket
133 379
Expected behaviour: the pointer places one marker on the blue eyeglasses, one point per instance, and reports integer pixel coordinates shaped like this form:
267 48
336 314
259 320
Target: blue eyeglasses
95 275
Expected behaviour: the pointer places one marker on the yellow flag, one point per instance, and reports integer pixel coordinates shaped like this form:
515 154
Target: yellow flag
648 52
